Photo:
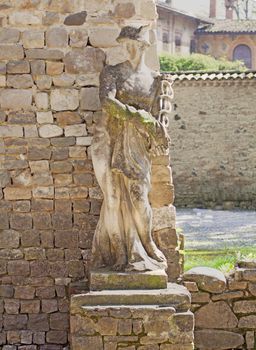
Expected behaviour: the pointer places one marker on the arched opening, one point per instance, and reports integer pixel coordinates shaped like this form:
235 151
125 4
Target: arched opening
243 53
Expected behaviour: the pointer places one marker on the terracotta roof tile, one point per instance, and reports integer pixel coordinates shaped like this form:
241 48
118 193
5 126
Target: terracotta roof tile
180 76
228 26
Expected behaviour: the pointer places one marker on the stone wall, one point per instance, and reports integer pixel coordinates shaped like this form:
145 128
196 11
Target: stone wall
51 56
213 140
224 308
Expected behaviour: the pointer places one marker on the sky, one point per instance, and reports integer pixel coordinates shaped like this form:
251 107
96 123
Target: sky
197 7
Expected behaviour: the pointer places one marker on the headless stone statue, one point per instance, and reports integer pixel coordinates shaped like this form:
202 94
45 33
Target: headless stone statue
126 137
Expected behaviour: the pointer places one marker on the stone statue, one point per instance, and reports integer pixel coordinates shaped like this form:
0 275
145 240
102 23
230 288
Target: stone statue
126 137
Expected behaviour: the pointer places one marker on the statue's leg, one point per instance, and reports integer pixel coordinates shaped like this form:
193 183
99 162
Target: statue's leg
142 214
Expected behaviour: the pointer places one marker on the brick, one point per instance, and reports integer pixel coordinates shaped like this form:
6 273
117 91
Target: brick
33 39
87 60
56 337
49 306
84 141
54 68
59 321
20 81
38 322
61 167
66 239
39 338
39 268
65 99
30 131
76 19
34 253
46 239
63 142
30 306
48 131
45 292
75 269
30 238
43 82
90 99
9 239
26 337
44 54
6 291
60 154
43 192
11 131
21 117
83 179
67 118
11 306
64 80
18 67
63 179
63 205
20 221
16 193
58 269
24 18
37 67
78 38
42 101
9 35
15 322
13 337
42 221
18 268
55 254
21 206
11 52
15 99
76 130
56 37
39 153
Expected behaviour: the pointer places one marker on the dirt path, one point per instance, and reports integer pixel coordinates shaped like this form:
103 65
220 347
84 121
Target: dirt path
217 229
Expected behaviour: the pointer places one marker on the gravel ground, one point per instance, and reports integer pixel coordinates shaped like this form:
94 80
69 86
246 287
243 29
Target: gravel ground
217 229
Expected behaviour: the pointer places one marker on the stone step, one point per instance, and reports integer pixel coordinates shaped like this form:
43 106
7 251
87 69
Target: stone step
111 280
174 295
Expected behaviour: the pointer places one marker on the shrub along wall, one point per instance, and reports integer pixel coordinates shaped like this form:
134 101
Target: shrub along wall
213 140
224 308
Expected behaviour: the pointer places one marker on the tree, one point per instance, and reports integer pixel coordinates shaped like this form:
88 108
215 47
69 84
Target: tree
242 8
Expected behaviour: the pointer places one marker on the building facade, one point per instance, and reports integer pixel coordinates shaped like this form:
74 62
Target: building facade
176 30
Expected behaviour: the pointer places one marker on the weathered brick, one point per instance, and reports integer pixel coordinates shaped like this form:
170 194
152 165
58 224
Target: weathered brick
54 68
4 220
42 205
18 67
76 19
44 54
39 268
64 100
30 238
15 99
59 321
9 239
57 37
49 306
39 338
43 82
11 52
48 131
11 306
20 81
61 167
16 193
56 337
20 221
15 322
45 293
37 67
90 99
11 131
63 141
76 130
42 221
33 39
42 101
38 322
26 338
24 18
34 253
19 117
9 35
6 291
18 268
66 239
60 153
39 153
30 306
24 292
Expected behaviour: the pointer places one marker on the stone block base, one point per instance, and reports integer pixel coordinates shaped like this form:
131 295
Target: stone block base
96 324
110 280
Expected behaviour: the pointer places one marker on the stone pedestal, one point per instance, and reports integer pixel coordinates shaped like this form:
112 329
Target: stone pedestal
110 280
135 319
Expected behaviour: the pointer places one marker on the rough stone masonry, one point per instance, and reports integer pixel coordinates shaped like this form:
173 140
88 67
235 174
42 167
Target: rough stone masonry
51 56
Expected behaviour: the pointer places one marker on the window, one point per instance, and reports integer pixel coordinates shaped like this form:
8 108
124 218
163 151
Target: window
243 53
192 46
165 37
177 40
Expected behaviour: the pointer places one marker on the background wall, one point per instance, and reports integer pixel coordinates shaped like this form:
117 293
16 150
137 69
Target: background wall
51 55
213 141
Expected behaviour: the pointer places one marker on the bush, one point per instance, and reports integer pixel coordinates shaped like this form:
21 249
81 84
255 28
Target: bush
197 62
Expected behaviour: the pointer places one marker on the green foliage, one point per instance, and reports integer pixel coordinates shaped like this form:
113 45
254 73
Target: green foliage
223 260
197 62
